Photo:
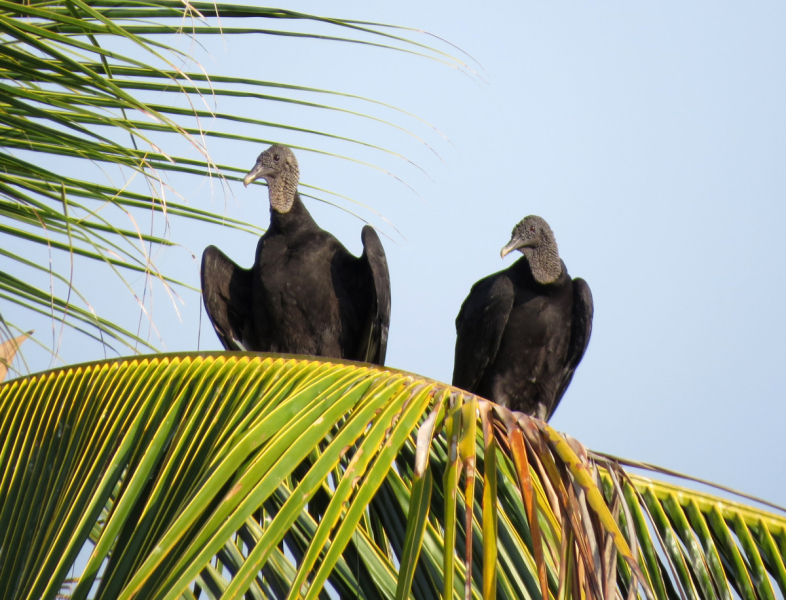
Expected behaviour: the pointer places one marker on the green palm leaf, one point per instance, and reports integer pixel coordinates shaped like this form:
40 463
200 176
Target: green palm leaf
244 475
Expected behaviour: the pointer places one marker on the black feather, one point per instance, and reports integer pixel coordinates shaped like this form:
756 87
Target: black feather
519 341
305 293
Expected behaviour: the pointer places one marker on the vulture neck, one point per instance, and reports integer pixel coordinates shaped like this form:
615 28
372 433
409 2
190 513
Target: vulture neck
544 263
296 219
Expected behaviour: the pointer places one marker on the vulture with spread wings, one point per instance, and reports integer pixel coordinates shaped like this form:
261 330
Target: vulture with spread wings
305 293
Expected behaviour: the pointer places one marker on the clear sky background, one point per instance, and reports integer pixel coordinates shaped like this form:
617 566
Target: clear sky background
651 136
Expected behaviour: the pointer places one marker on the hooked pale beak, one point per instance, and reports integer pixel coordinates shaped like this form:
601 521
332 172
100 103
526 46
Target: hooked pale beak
515 244
258 171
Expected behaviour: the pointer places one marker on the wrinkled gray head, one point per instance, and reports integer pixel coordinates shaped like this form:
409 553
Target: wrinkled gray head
278 166
535 240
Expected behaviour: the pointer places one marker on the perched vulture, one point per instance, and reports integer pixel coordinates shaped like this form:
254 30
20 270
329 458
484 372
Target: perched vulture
522 332
305 293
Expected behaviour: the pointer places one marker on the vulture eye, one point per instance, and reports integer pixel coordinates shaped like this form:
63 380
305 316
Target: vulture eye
275 157
532 228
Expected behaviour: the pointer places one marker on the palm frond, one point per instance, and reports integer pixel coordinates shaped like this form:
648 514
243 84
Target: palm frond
262 476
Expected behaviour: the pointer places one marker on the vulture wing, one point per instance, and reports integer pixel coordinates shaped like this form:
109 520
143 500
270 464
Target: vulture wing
226 291
580 331
479 328
374 340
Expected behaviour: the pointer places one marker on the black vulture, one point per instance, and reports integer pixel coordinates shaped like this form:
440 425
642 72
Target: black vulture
305 293
522 332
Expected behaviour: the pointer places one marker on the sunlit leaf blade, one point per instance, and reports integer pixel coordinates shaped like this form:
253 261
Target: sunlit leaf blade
710 552
679 524
518 451
450 495
418 510
489 504
179 473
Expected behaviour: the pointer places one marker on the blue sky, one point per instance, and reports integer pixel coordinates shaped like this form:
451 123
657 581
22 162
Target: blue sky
651 136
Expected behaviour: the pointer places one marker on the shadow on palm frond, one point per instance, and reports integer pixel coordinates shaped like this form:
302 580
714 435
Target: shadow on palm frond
183 476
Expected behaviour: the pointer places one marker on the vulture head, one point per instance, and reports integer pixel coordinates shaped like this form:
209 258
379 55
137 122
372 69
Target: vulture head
535 240
278 167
